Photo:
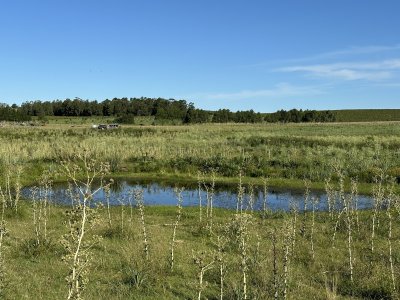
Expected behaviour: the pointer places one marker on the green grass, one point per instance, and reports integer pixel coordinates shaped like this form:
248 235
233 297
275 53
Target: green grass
287 153
84 121
367 115
73 121
343 115
40 274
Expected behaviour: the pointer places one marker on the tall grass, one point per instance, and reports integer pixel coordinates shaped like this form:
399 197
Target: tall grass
288 152
237 260
343 253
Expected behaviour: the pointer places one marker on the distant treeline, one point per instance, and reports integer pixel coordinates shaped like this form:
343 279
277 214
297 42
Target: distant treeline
297 116
12 113
125 110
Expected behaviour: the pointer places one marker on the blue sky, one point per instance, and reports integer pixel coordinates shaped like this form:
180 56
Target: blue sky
261 55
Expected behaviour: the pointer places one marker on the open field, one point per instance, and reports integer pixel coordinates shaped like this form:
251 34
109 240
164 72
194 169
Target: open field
296 255
202 150
351 115
287 153
135 252
76 121
367 115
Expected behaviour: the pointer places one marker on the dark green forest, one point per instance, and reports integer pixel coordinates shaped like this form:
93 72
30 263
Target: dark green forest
12 113
125 110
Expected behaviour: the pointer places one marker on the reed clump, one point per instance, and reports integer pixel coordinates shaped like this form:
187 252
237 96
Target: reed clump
81 219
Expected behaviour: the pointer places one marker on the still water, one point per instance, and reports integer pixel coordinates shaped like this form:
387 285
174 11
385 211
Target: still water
224 197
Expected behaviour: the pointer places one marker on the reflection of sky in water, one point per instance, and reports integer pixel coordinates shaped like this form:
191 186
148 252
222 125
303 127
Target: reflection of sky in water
155 194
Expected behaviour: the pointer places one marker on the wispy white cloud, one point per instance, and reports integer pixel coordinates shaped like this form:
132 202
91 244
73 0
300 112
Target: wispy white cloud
372 71
389 85
361 50
351 51
384 72
279 90
332 55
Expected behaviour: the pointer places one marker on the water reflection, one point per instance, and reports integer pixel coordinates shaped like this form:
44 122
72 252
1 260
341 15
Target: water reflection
159 194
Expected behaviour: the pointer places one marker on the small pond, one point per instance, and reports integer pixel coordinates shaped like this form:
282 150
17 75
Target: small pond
224 197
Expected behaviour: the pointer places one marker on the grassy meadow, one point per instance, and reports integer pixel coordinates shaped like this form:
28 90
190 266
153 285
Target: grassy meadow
287 153
119 270
48 251
367 115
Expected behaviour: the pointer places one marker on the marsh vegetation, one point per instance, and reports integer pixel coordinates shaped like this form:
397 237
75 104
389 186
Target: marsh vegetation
85 249
287 153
